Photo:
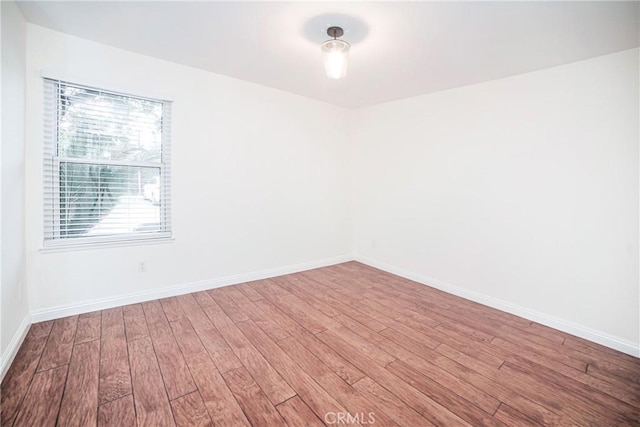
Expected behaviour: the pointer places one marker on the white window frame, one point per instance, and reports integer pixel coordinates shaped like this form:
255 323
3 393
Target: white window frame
52 239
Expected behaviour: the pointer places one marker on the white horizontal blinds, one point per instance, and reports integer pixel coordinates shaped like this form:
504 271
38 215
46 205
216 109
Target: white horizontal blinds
106 164
50 167
165 177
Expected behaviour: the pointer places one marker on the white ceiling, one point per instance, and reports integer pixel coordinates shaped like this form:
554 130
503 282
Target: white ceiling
399 49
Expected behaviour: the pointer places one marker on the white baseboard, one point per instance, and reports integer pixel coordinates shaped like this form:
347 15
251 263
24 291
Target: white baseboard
41 315
533 315
12 349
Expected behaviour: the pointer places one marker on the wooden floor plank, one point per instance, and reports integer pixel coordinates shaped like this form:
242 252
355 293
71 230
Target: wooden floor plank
272 384
465 409
346 341
59 346
115 377
117 413
373 351
175 374
227 305
597 404
172 309
346 370
311 319
80 400
270 287
203 298
249 292
549 353
614 371
42 402
510 417
253 401
529 335
625 392
220 352
217 398
134 321
18 377
189 411
444 371
89 327
420 331
149 395
296 413
592 349
302 383
350 310
422 404
41 328
254 313
296 287
383 300
353 401
391 406
220 402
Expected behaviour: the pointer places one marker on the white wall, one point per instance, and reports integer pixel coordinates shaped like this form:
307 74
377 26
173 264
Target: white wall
258 173
13 295
521 192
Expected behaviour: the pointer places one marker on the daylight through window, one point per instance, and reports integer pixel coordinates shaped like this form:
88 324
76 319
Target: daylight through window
106 165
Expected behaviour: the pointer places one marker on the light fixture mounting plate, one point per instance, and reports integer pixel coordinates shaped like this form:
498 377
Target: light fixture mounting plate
335 32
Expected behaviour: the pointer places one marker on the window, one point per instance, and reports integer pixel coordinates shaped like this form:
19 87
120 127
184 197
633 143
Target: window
106 166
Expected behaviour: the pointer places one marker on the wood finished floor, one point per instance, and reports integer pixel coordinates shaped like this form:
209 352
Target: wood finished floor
306 350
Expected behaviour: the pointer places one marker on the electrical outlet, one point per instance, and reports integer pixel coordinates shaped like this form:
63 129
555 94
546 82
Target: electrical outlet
142 267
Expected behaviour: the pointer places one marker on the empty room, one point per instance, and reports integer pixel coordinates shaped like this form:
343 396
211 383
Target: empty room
320 213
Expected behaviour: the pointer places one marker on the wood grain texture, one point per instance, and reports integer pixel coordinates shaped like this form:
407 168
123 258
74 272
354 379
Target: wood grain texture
348 341
510 417
296 413
231 309
59 346
175 374
117 413
18 377
249 291
89 327
203 299
151 401
134 321
427 407
80 400
302 383
172 308
341 366
353 401
216 396
389 404
222 405
220 352
42 402
274 386
254 313
115 376
465 409
189 411
253 401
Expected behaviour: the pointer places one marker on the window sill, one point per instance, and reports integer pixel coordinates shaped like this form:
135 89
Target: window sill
82 246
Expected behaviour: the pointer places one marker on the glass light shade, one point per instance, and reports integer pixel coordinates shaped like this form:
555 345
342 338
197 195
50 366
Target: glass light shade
336 58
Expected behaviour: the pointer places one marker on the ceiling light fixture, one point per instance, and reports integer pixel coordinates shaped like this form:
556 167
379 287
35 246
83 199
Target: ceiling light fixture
335 54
